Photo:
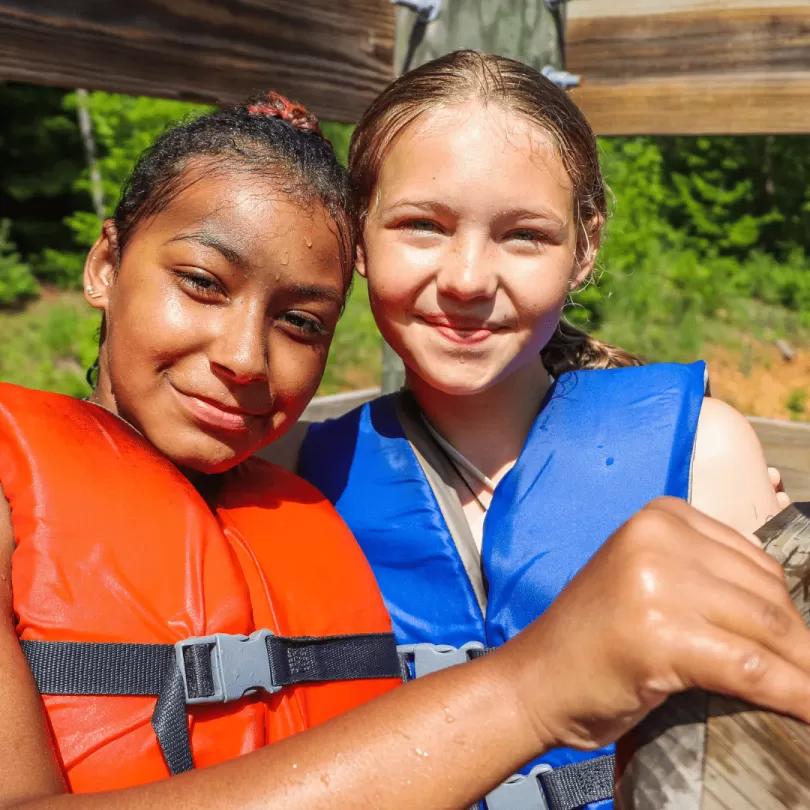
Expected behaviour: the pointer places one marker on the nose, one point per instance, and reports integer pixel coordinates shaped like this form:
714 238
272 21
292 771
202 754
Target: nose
468 270
239 354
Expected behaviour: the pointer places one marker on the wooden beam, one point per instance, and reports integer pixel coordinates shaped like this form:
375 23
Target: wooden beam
691 66
333 56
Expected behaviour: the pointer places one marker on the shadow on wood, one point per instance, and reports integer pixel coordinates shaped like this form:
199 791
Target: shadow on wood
701 751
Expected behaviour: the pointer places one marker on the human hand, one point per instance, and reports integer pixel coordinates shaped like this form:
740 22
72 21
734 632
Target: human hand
776 479
673 600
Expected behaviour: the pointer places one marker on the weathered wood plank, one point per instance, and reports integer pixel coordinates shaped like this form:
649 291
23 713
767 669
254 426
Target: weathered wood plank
334 57
751 759
691 66
787 447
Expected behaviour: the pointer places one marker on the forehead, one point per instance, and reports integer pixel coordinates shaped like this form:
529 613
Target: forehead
471 152
253 213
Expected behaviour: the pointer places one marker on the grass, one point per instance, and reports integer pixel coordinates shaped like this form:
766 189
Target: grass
50 344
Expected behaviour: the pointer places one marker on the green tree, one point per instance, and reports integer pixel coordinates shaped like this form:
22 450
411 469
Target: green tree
17 282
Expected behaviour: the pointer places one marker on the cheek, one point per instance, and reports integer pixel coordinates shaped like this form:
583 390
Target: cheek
296 370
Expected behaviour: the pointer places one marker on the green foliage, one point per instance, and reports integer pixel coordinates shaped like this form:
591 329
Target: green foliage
796 402
50 345
17 282
354 359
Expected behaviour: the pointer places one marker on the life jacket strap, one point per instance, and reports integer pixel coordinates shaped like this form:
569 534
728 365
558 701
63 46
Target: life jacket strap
543 788
208 669
564 788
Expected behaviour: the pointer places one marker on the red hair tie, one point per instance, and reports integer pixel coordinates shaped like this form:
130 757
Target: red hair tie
277 106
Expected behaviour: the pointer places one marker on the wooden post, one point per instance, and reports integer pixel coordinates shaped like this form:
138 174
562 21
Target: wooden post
521 29
701 751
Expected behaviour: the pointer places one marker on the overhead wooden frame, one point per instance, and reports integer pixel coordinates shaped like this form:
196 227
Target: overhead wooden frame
333 56
691 66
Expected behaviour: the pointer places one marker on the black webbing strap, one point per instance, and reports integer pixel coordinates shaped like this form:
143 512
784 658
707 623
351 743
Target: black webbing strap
572 786
215 669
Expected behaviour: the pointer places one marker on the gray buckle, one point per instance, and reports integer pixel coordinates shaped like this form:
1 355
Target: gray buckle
239 664
520 792
429 658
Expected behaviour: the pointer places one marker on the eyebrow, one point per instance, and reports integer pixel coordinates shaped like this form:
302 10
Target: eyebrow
508 213
316 292
210 240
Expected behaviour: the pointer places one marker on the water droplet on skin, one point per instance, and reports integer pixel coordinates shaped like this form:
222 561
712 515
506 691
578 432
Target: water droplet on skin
308 241
462 360
285 259
278 276
420 753
295 765
325 779
448 718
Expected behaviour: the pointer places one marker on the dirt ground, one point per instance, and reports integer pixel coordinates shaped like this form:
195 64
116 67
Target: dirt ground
758 381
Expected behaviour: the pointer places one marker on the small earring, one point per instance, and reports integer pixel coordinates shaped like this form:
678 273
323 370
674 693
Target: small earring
91 292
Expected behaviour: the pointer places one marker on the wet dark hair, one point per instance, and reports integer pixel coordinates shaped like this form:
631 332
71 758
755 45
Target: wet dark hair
269 136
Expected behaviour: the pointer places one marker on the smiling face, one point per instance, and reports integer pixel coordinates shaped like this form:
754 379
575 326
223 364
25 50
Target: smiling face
219 318
470 246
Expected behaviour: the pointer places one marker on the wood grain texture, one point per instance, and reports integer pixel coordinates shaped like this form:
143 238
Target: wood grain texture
702 751
787 447
692 66
333 56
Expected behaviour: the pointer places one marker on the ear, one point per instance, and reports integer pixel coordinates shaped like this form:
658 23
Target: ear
360 261
100 266
587 250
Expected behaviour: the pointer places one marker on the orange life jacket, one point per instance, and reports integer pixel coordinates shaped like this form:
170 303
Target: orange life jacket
113 544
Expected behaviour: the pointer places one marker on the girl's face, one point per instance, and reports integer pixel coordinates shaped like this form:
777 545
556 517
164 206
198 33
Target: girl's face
470 246
219 319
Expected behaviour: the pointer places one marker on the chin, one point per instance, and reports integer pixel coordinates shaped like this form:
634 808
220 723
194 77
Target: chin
459 379
199 452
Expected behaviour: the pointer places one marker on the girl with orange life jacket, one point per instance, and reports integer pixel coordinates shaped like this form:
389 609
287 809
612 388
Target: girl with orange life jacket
479 491
179 604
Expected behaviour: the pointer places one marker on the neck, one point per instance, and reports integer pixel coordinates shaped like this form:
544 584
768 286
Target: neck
489 428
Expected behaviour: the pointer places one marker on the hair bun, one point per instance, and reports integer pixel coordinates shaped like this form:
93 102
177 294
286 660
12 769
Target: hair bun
274 105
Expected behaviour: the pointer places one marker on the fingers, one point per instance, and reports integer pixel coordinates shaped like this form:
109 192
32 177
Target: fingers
722 662
783 499
767 619
776 479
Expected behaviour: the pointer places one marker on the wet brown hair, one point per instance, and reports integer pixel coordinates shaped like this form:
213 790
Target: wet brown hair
469 76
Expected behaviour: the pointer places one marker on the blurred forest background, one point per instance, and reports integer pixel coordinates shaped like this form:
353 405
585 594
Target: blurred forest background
707 251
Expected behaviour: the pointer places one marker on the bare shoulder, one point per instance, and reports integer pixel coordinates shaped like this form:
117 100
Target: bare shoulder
730 478
284 451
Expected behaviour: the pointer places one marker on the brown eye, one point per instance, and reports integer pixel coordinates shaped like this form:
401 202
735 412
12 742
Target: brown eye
304 324
199 284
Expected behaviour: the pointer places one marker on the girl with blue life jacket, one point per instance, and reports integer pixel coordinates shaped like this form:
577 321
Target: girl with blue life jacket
519 444
169 603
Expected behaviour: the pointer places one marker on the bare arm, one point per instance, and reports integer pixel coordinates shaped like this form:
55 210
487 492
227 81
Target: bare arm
730 480
646 617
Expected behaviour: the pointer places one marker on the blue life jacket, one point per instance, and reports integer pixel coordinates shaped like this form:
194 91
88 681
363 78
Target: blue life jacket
604 444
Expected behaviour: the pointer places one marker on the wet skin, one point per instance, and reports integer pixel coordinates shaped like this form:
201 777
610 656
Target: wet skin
470 250
219 318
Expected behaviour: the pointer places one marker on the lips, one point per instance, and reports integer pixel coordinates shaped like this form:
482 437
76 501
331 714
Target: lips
218 414
461 330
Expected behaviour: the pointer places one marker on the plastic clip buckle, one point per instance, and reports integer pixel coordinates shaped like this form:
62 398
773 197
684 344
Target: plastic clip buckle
520 792
239 664
429 658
